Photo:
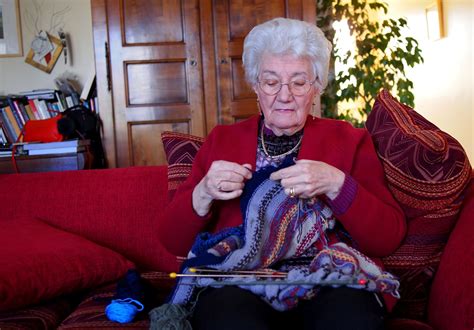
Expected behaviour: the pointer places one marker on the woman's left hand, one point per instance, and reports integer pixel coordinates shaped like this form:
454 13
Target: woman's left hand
308 178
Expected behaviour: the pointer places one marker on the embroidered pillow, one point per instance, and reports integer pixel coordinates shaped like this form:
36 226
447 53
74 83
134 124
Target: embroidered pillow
427 172
180 150
39 262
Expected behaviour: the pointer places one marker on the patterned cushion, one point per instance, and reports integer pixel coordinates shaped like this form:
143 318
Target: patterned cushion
45 316
90 314
427 172
180 150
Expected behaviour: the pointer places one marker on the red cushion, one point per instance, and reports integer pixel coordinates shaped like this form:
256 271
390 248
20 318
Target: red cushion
39 262
451 303
427 172
180 150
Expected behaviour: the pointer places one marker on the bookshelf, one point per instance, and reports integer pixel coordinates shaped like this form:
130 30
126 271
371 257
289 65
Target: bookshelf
46 163
75 108
38 104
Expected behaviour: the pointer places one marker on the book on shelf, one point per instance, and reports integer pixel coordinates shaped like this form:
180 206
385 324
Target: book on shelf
13 104
69 89
7 126
38 92
12 120
55 151
58 144
5 150
3 136
89 88
5 154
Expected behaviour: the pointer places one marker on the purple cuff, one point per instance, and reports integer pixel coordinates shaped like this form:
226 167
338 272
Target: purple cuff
341 203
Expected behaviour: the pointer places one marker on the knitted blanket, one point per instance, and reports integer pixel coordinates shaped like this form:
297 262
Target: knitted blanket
283 234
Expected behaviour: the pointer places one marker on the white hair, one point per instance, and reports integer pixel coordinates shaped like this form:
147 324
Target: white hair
284 36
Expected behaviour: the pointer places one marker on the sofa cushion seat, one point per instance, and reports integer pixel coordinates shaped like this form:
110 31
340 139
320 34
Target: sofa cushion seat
44 316
90 313
116 208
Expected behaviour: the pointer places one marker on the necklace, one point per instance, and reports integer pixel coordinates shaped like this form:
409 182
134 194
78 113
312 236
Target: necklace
265 151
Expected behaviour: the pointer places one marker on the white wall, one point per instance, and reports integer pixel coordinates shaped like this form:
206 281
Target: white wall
16 75
443 85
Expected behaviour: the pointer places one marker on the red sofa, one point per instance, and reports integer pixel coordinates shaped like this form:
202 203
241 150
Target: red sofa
119 209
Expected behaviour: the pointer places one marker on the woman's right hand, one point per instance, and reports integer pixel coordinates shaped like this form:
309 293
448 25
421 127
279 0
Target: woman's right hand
224 180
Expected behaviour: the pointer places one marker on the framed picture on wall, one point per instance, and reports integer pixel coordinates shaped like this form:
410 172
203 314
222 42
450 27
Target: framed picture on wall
46 60
10 29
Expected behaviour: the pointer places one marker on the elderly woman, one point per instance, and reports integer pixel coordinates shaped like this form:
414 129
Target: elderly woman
292 210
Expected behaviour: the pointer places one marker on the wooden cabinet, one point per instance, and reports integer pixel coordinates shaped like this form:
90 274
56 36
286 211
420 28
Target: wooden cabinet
174 65
46 163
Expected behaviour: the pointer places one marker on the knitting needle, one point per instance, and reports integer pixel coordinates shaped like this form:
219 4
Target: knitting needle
266 282
250 272
286 282
220 275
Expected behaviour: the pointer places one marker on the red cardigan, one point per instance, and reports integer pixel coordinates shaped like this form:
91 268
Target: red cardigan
374 219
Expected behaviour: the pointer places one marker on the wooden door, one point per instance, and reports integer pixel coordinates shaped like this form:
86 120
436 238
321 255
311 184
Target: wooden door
174 65
233 19
154 59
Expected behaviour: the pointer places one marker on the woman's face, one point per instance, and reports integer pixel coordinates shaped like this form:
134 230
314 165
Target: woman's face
284 112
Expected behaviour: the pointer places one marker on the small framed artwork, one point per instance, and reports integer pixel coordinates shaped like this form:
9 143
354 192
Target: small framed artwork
435 20
45 52
10 29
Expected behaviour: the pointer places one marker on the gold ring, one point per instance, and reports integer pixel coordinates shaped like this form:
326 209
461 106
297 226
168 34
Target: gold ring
292 192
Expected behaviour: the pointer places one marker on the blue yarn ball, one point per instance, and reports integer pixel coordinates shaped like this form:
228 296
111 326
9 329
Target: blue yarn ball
123 310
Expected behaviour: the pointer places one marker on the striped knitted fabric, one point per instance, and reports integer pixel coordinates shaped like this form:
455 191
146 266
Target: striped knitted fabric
277 230
427 172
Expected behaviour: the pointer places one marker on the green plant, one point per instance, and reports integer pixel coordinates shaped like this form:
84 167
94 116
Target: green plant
380 59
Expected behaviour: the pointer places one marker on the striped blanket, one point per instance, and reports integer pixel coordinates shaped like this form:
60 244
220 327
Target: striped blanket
283 234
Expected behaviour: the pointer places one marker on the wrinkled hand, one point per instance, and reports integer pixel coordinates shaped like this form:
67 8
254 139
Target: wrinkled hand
224 180
308 178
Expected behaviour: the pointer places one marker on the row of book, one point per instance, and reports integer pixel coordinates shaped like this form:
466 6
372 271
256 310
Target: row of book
16 110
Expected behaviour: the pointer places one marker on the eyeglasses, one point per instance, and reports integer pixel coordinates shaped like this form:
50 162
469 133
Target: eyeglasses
297 87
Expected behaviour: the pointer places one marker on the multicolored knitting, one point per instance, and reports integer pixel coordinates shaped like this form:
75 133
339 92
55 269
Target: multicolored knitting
284 234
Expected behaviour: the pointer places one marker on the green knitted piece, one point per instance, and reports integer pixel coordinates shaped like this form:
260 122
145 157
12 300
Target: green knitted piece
169 317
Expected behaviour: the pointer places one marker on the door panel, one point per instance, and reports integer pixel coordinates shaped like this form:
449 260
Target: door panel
154 22
157 80
165 83
143 148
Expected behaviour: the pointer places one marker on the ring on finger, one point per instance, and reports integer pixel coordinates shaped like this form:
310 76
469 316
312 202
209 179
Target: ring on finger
292 192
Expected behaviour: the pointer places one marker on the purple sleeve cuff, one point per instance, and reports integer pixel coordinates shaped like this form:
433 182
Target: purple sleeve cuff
341 203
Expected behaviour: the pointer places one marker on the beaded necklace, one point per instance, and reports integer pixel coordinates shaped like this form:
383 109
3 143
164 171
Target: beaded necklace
265 151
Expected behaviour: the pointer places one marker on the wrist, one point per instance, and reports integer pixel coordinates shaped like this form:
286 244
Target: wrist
202 201
339 182
341 203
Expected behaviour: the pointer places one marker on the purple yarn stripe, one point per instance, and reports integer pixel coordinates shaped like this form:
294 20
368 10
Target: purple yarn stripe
341 203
